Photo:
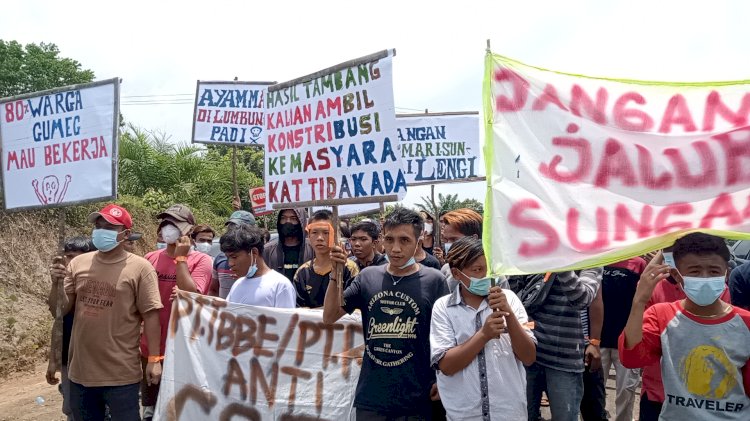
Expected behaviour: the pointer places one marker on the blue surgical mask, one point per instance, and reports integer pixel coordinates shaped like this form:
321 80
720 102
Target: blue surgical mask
479 286
409 262
703 291
447 246
160 246
253 269
104 240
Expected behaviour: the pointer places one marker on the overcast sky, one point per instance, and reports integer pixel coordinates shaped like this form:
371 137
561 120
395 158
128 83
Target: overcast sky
160 48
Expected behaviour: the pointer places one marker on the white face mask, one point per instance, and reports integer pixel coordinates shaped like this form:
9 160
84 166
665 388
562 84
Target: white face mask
203 247
170 234
428 228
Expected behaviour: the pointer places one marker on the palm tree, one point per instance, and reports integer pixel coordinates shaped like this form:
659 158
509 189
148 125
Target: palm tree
445 203
152 166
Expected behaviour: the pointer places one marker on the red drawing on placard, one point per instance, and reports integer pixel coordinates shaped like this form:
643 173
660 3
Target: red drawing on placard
50 192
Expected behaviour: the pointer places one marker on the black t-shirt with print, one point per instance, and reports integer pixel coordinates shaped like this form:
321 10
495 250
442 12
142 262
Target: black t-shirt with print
311 286
291 260
396 376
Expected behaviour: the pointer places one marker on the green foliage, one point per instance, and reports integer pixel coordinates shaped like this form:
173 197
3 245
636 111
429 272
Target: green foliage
36 67
474 205
162 173
445 203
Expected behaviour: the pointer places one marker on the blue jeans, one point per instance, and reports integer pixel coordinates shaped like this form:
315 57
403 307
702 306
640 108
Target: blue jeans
564 390
88 403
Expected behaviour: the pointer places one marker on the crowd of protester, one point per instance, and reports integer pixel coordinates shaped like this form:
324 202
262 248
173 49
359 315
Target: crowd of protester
464 345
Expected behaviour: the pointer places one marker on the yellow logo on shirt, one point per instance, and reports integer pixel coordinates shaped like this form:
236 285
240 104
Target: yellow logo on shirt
707 372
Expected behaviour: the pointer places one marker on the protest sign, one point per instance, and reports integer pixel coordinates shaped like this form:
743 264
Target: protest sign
258 201
230 113
224 360
331 136
439 148
589 171
59 147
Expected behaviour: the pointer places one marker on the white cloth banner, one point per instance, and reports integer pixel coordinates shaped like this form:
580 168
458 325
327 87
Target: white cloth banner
588 171
230 113
58 146
439 148
224 360
332 136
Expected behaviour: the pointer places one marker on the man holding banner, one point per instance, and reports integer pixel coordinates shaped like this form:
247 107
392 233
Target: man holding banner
396 300
588 171
258 285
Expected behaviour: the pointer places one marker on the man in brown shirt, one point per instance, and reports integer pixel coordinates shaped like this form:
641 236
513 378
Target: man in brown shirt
112 291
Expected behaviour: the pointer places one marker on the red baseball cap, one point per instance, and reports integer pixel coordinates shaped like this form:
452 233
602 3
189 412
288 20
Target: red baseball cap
115 215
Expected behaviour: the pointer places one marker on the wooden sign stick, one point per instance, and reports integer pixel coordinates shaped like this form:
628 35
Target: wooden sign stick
338 268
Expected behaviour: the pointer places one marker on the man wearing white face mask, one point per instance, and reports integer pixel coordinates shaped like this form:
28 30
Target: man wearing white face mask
203 238
258 284
177 266
113 292
428 239
702 342
396 300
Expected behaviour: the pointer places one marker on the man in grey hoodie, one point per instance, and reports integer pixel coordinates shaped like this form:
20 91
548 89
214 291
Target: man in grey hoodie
291 249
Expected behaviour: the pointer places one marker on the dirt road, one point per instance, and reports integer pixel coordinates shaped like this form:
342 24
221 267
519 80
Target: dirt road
18 398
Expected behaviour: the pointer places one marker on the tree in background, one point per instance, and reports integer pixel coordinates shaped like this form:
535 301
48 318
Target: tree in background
445 203
474 205
37 67
163 173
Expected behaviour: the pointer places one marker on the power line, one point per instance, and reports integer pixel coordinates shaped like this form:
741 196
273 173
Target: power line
155 95
159 99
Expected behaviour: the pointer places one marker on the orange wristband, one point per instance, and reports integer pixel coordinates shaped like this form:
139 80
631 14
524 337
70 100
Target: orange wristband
595 342
179 259
155 358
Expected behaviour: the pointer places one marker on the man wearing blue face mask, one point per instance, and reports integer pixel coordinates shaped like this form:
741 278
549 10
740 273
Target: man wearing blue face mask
113 291
702 342
258 284
478 341
396 300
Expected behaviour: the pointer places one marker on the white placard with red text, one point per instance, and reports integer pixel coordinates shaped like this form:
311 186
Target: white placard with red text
588 171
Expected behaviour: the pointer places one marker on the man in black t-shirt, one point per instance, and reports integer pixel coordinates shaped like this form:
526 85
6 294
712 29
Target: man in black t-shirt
311 279
365 239
396 302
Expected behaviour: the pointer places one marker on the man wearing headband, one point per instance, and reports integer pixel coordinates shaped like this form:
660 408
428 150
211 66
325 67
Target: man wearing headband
311 279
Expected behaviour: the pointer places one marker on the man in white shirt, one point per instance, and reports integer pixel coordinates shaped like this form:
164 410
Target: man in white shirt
479 342
258 285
